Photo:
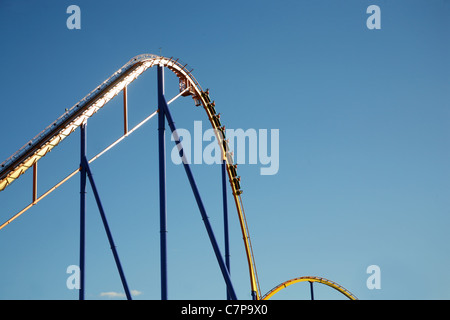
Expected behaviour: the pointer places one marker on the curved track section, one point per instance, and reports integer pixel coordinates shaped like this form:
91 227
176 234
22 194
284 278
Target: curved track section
50 137
324 281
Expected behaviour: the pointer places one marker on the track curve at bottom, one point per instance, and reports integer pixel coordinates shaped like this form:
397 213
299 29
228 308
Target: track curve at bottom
327 282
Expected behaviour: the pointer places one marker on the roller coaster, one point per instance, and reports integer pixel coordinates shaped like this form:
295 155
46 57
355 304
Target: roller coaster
77 116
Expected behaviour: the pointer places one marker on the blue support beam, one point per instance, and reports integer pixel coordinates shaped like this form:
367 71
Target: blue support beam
201 207
162 183
108 231
85 170
311 284
82 208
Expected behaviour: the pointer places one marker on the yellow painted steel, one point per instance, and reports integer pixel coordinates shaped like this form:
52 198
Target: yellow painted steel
109 89
56 186
236 196
327 282
29 162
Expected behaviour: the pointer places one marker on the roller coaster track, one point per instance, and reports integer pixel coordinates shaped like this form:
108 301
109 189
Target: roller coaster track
324 281
28 156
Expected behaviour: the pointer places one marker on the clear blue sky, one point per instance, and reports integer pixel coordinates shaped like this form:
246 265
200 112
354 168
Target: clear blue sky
363 116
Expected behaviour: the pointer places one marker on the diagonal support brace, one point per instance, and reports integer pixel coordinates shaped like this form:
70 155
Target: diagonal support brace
201 207
86 168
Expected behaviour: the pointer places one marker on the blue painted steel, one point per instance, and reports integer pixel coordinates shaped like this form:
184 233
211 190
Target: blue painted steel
162 183
85 163
201 207
82 208
225 218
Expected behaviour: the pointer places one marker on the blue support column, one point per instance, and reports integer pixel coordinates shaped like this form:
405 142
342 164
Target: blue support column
201 207
108 231
162 183
225 218
82 208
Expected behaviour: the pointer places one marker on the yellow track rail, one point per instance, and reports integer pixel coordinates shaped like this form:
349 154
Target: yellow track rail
324 281
50 137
